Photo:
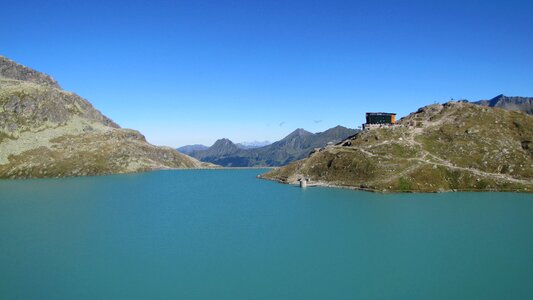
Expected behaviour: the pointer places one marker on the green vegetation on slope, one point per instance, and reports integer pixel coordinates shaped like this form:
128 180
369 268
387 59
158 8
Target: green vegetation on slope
455 146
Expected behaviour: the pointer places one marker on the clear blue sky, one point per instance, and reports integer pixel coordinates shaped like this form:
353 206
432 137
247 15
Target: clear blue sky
185 72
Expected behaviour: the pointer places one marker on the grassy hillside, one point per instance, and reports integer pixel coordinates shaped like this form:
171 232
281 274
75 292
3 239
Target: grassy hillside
455 146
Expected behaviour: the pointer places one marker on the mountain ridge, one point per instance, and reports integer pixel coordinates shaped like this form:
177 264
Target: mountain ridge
517 103
12 70
296 145
48 132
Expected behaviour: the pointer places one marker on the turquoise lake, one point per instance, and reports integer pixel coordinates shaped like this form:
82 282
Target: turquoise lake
223 234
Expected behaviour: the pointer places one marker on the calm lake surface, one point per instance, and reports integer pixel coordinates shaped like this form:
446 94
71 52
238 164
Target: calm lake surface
223 234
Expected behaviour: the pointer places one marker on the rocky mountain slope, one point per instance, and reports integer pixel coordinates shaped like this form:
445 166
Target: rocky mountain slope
524 104
455 146
296 145
48 132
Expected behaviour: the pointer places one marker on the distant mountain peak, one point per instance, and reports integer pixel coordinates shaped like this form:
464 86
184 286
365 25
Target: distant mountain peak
524 104
223 146
299 132
495 100
220 148
223 142
297 145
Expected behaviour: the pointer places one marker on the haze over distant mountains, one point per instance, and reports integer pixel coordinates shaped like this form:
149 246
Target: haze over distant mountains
46 131
251 145
190 148
296 145
244 145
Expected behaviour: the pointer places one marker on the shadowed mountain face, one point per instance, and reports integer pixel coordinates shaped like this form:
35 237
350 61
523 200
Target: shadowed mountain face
48 132
454 146
296 145
524 104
